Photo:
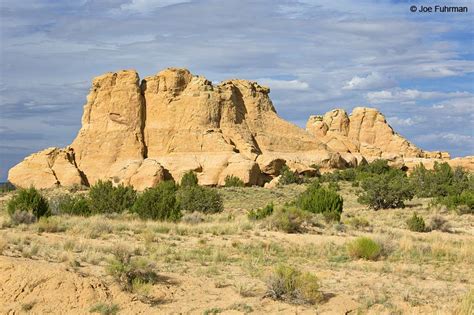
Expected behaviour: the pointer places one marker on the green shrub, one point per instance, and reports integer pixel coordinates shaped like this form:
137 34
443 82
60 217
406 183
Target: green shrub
416 223
288 176
105 198
261 213
364 247
378 166
318 199
74 205
387 190
288 219
441 181
30 201
201 199
458 201
334 186
189 179
158 203
291 285
233 181
6 187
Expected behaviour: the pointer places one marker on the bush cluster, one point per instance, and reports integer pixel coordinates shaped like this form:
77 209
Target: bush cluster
233 181
288 176
386 190
201 199
158 203
291 285
318 199
106 198
189 179
451 188
28 204
261 213
416 223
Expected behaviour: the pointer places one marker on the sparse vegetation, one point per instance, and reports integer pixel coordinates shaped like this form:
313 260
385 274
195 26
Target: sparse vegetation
105 309
416 223
288 176
233 181
261 213
288 219
289 284
27 203
365 248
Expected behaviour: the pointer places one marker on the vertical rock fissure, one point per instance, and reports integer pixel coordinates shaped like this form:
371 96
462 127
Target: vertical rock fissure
143 118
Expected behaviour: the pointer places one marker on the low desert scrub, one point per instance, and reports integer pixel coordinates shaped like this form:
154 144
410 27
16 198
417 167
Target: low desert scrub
131 274
193 218
439 223
105 309
387 190
22 217
233 181
73 205
288 219
289 284
201 199
3 245
28 201
466 306
50 225
288 176
105 198
189 179
261 213
416 223
158 203
318 199
358 223
365 248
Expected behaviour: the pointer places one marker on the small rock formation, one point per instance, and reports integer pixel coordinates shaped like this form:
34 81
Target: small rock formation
140 133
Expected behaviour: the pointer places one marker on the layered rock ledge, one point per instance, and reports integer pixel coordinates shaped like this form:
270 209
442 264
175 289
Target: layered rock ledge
142 132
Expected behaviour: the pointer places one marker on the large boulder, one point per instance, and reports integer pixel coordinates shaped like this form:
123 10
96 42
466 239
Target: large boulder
46 169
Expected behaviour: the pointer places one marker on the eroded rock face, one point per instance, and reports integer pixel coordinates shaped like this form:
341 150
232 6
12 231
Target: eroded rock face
140 133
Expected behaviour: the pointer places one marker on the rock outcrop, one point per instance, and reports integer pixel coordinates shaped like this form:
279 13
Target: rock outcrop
140 133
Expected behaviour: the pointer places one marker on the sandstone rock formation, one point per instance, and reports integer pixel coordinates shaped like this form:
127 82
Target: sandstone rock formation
140 133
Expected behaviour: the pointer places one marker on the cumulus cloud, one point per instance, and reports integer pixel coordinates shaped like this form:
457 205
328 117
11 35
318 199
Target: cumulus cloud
148 6
314 55
410 121
410 95
373 80
294 85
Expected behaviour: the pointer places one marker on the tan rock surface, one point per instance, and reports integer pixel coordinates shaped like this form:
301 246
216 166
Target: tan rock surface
140 133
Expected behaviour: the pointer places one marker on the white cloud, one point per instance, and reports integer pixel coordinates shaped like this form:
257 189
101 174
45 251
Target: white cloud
395 121
451 138
147 6
294 85
373 80
410 96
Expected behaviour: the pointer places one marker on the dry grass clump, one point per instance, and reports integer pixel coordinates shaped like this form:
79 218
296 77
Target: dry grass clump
466 307
365 248
291 285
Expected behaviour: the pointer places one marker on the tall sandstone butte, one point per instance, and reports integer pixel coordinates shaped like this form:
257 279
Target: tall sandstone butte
140 133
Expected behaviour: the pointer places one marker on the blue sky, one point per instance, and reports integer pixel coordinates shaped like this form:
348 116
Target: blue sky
417 68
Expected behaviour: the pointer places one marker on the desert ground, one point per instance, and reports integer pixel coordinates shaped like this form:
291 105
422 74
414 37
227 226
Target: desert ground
220 263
